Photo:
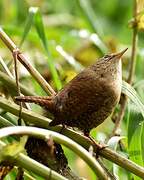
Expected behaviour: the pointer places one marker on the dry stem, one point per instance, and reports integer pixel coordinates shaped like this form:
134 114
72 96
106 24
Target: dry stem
131 73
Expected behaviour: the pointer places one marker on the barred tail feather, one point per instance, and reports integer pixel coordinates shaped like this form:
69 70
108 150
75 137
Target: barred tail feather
46 101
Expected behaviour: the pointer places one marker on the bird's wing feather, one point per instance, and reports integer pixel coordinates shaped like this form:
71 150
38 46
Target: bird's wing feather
81 95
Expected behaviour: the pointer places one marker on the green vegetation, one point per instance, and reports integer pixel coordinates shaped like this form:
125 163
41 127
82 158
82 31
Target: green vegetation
56 40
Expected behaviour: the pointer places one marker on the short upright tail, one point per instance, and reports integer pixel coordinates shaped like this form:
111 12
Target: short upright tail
46 101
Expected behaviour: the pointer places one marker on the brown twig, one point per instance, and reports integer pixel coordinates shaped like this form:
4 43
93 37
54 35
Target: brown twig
10 44
131 73
15 54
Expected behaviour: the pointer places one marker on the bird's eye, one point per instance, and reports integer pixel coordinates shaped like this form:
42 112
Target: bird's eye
107 56
102 75
69 94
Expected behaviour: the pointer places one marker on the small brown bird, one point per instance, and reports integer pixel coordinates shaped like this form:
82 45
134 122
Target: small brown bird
88 99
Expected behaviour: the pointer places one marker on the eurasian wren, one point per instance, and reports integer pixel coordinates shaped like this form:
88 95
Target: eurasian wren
88 99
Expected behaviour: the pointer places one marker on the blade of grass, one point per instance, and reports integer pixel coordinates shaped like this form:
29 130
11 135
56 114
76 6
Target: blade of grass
113 144
21 8
4 122
129 91
135 118
29 23
36 17
142 143
135 148
86 8
41 32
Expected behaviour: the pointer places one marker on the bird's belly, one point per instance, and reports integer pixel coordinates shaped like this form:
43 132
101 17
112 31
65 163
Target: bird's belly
92 110
88 120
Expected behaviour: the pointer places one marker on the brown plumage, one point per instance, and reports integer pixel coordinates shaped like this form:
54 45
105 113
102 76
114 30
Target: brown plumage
88 99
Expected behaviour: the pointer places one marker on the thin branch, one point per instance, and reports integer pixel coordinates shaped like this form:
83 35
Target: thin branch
15 54
40 121
10 44
58 138
131 72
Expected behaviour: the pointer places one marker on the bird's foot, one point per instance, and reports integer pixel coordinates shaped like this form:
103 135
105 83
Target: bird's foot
99 146
63 127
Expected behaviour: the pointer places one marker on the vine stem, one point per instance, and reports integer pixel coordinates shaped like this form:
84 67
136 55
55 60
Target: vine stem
58 138
15 54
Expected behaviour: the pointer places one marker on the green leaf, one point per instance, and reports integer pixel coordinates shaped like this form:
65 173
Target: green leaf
11 175
40 30
4 122
36 17
142 138
135 148
29 23
21 9
87 10
135 119
13 149
135 124
113 142
129 91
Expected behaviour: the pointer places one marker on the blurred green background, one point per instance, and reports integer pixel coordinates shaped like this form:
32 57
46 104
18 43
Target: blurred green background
77 33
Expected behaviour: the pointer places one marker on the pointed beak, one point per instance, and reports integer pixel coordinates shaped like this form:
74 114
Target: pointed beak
120 54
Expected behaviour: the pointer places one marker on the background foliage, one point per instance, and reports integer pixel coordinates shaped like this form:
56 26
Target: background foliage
62 37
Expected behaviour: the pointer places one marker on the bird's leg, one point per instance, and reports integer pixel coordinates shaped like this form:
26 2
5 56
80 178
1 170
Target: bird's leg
98 146
63 127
